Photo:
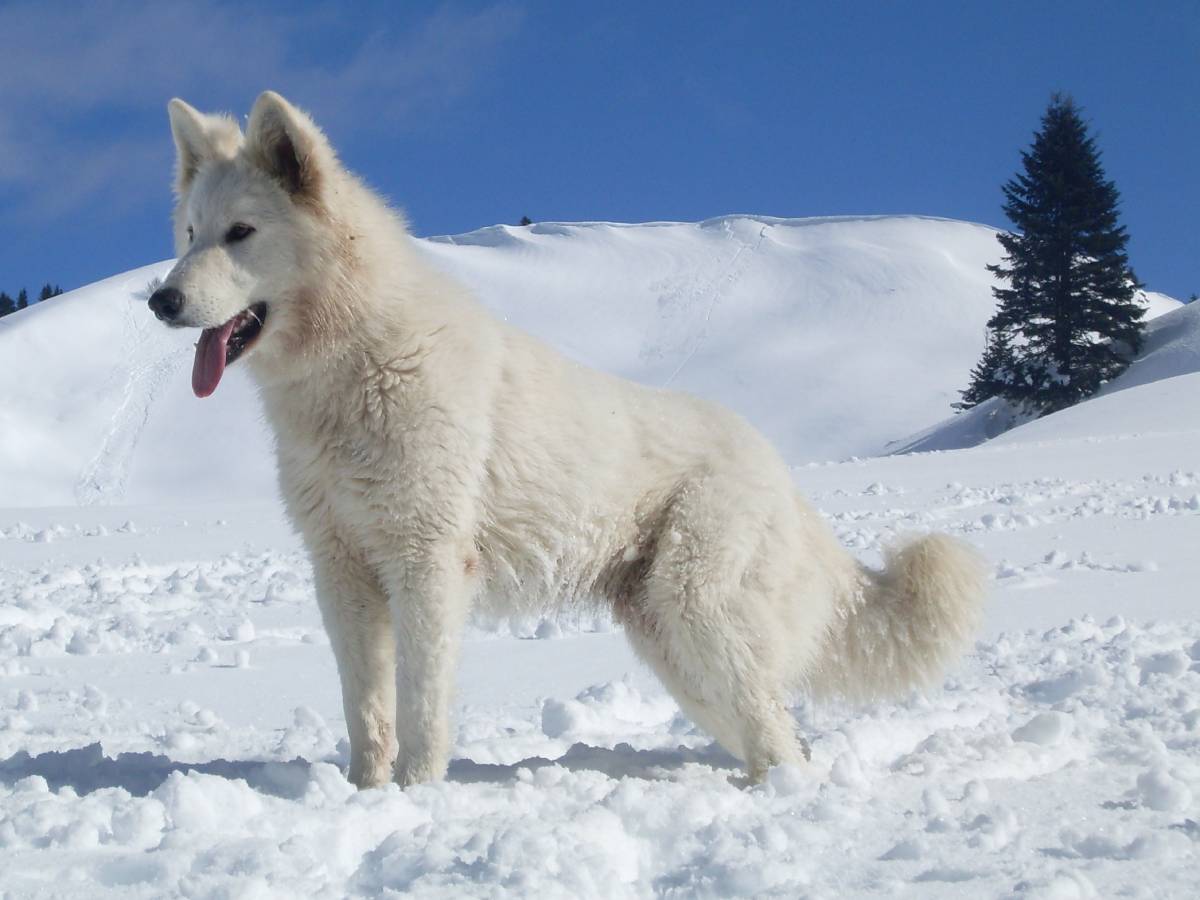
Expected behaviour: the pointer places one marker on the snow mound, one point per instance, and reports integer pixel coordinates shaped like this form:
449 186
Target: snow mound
832 335
1156 394
1157 407
1171 349
969 428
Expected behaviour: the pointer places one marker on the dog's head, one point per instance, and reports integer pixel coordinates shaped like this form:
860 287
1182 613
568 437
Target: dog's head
246 230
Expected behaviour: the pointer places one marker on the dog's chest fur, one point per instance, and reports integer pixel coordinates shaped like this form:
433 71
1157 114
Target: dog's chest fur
354 460
376 461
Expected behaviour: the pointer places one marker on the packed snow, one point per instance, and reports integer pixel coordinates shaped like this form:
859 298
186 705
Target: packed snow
170 719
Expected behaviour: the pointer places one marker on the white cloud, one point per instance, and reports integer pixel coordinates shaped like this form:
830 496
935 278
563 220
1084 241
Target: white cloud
82 108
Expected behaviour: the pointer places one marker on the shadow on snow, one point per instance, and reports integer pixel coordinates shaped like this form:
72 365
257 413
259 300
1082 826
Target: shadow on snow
87 769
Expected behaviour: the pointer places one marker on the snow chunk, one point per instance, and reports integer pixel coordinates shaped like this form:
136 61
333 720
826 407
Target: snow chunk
1048 729
1172 665
847 771
603 710
205 803
1159 790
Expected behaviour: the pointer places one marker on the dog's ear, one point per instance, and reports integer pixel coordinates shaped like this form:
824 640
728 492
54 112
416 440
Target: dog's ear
198 139
286 144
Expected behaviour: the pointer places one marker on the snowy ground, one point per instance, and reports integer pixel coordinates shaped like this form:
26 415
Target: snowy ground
170 720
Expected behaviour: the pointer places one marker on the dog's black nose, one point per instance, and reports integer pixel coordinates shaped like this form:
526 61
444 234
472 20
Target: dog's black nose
166 303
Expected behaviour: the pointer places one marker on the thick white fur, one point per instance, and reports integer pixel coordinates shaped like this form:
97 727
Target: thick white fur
432 457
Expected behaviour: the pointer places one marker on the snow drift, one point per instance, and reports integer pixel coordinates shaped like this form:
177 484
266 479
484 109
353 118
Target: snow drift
1171 348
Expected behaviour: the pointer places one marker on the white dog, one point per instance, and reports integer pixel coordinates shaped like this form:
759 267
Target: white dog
430 455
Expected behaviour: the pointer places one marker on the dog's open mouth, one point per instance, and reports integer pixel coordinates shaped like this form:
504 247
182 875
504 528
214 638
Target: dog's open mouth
220 346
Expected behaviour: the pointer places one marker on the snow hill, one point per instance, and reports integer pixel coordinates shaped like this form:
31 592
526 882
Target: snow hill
170 717
1171 348
834 336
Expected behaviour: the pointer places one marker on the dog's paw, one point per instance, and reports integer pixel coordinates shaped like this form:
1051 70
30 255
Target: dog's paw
418 771
368 778
371 771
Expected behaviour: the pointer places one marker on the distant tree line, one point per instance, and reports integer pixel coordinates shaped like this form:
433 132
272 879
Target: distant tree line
1067 318
11 305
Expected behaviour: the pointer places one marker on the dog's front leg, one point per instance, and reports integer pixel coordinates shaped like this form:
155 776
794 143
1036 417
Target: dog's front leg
355 611
429 602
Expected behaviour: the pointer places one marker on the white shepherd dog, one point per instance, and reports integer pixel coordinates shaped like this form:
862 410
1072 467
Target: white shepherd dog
429 454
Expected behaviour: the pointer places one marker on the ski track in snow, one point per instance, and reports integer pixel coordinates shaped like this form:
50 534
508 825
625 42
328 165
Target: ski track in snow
710 296
104 478
172 729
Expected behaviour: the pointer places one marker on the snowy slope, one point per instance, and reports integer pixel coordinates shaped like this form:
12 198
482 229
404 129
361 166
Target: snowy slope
1171 347
170 721
833 335
1156 394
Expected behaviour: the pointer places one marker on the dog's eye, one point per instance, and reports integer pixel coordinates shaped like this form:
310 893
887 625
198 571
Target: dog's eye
191 234
238 231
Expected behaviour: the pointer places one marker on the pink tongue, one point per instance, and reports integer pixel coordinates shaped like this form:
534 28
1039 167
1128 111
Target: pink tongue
210 359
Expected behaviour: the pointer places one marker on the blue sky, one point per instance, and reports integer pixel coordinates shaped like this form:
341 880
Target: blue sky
467 114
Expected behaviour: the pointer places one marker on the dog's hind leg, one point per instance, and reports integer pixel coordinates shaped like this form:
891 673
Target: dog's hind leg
355 611
721 683
706 622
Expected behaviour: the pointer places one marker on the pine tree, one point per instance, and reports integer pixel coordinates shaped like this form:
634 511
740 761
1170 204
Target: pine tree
46 292
22 299
1068 313
6 304
994 374
525 220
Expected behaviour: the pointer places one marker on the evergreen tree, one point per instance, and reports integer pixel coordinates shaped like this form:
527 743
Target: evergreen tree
994 374
525 220
22 299
6 304
1067 313
46 292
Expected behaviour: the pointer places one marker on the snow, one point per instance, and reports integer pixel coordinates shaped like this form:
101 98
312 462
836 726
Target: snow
1171 348
751 311
170 719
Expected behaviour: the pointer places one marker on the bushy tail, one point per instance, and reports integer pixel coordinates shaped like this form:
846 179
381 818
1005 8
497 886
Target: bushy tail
906 624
